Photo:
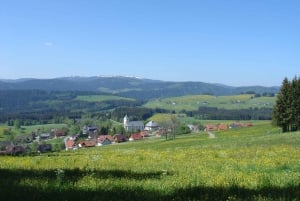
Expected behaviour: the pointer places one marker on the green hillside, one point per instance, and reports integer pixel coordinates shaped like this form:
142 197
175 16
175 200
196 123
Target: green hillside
256 163
190 103
131 87
100 98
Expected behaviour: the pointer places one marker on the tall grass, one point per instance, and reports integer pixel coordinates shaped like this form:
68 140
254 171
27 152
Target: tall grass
242 164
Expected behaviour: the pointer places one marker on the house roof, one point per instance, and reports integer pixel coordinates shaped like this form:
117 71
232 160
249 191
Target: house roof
248 124
211 127
120 138
102 138
45 135
135 123
136 136
60 133
222 127
152 124
88 143
70 143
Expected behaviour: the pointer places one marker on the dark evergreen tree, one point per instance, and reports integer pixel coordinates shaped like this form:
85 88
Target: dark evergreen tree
287 110
295 101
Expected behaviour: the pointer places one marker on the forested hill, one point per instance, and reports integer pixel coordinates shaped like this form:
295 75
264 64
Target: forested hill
130 86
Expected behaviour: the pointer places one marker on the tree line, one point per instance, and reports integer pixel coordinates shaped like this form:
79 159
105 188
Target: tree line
286 112
38 107
213 113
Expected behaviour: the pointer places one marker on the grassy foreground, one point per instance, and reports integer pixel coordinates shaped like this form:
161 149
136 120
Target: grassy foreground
254 163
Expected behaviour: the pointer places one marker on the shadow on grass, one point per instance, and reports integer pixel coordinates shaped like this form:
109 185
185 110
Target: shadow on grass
76 174
11 189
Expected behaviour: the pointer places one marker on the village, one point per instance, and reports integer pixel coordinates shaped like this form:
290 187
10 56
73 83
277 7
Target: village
91 137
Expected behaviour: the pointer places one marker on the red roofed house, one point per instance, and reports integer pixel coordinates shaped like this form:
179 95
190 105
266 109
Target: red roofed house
135 136
222 127
59 133
87 143
69 144
120 138
104 140
211 127
248 124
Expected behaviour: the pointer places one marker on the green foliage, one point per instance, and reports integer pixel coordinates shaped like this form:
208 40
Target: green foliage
286 112
31 107
183 129
17 124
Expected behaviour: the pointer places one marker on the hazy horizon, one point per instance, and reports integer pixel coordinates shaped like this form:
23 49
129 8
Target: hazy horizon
127 76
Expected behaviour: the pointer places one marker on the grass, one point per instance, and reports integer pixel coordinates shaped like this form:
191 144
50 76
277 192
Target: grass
162 117
100 98
190 103
241 164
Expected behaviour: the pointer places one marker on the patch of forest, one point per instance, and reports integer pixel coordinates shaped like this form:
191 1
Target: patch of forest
39 107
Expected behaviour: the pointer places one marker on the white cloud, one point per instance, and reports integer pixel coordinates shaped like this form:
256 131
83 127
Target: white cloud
48 44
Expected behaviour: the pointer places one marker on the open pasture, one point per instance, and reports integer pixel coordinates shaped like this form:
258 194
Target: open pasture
100 98
189 103
256 163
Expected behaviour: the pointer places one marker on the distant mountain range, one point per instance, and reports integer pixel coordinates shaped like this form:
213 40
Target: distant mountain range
130 86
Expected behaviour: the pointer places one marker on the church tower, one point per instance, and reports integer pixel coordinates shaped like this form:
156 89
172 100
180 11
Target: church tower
126 121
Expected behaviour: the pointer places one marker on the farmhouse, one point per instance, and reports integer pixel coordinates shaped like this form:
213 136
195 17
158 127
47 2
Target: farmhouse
136 136
104 140
120 138
211 127
70 144
59 133
87 143
151 126
133 125
222 127
249 124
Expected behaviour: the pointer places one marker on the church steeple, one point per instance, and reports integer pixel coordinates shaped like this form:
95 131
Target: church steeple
126 120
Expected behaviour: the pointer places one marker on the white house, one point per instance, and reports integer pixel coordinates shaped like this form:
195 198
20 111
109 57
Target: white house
133 125
151 126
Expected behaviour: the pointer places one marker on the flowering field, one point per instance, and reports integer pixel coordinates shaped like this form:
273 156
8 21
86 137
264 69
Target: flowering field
255 163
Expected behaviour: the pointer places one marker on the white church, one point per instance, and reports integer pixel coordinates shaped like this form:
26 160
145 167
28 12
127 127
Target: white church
133 126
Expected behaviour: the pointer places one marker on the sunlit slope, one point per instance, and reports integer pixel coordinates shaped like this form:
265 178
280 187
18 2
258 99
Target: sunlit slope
244 101
257 163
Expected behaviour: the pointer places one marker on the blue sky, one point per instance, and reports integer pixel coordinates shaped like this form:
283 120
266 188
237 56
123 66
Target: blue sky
238 43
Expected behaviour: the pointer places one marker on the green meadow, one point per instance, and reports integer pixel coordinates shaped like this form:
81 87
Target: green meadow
255 163
190 103
100 98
